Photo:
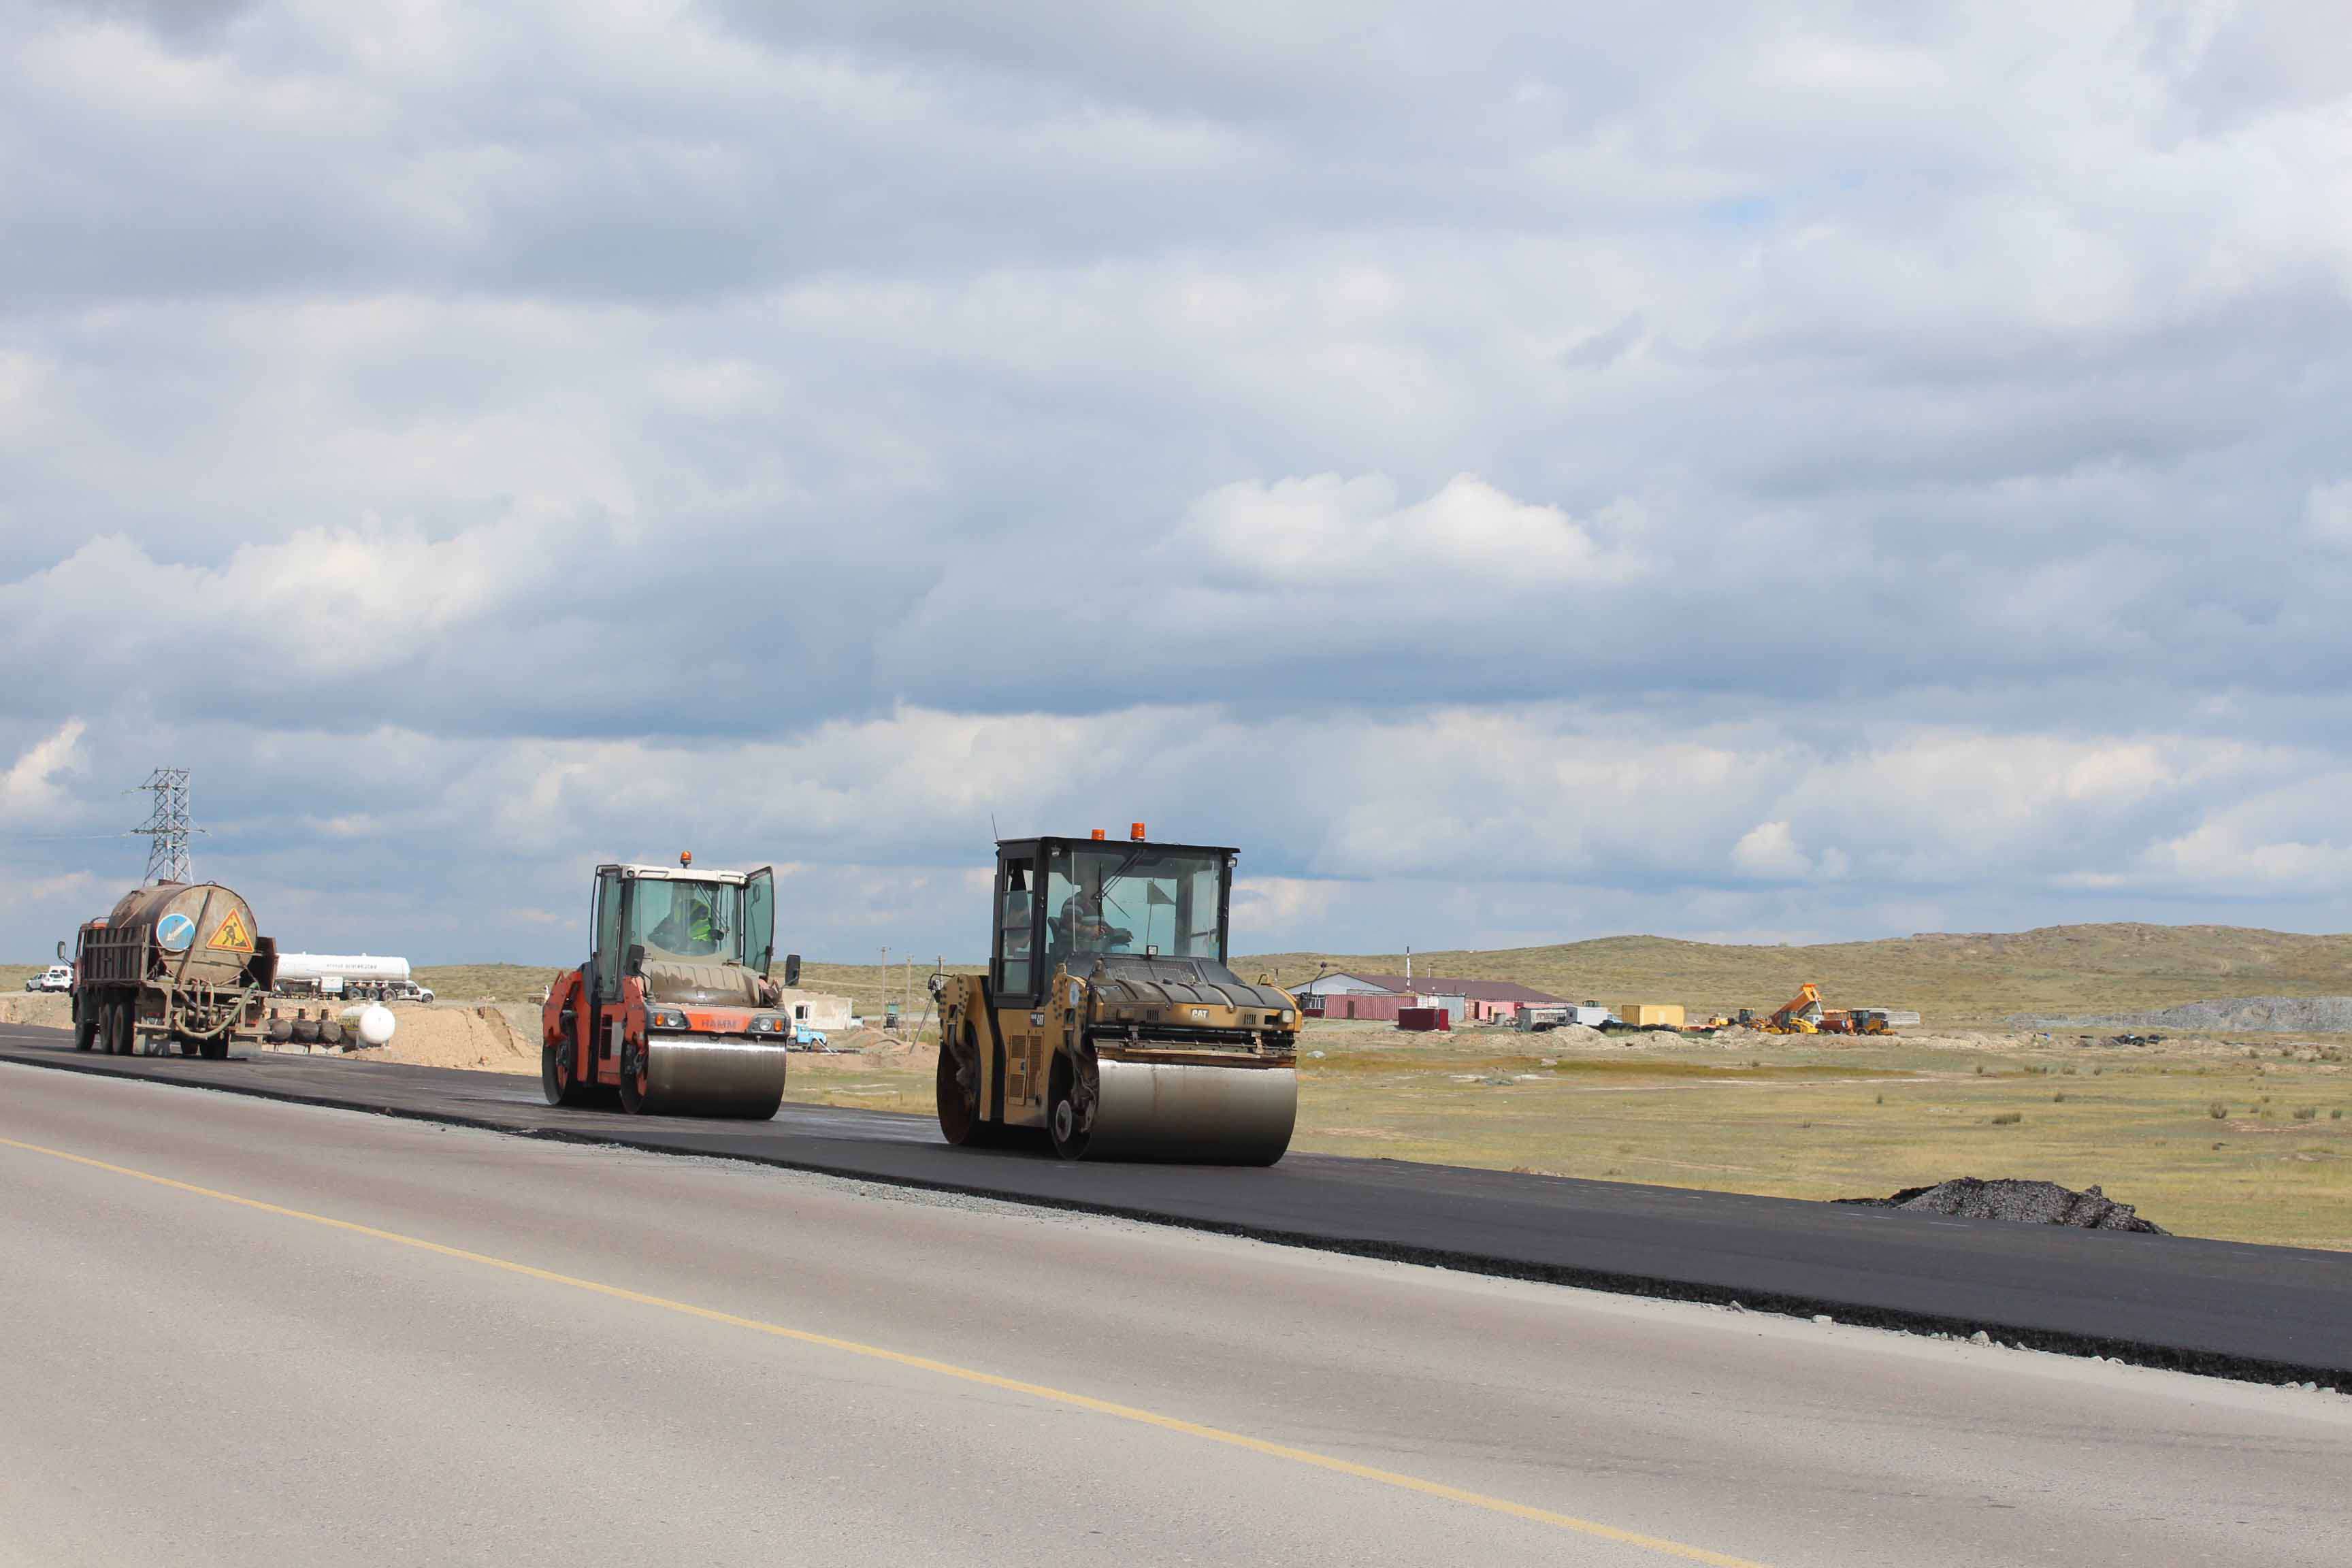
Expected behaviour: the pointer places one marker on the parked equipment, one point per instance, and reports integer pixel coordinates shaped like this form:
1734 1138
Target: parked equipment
1108 1020
176 964
674 1012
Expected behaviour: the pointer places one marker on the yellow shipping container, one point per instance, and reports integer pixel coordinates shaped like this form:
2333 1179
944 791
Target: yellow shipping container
1650 1014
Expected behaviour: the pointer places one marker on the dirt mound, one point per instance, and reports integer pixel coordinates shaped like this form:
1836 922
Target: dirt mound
51 1009
2024 1202
490 1037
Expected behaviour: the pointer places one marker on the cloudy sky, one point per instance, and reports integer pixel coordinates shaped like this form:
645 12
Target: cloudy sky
1787 472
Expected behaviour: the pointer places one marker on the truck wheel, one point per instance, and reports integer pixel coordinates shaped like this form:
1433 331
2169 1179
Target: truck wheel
122 1035
214 1051
85 1026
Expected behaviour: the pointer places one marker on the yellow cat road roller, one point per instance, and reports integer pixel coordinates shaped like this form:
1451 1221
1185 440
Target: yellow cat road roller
1108 1021
674 1012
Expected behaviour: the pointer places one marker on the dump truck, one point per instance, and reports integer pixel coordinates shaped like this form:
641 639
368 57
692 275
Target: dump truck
179 965
1107 1023
674 1012
1800 1015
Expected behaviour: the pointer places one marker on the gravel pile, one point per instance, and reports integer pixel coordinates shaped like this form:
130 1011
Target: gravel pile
2252 1015
2026 1203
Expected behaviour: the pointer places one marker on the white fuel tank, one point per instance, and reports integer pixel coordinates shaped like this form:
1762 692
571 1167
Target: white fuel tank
310 968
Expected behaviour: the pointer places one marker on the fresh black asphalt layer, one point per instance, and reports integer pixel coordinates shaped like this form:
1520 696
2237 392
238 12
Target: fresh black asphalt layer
2271 1314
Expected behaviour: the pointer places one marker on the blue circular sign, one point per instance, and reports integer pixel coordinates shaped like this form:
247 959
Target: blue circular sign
174 931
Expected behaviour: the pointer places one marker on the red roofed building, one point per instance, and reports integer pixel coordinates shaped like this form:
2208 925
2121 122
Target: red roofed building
1363 994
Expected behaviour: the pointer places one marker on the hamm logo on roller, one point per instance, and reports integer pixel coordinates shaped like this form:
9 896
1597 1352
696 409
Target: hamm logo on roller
232 935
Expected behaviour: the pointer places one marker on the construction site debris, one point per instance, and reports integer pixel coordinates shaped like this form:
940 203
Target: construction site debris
2022 1201
2260 1014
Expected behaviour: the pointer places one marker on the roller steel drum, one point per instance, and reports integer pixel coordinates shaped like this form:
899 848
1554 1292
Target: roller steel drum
700 1075
1214 1115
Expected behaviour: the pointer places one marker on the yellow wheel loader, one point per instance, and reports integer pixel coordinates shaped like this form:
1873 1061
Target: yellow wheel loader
1107 1023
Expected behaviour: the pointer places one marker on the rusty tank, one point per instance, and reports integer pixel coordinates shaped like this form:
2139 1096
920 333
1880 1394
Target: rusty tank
172 966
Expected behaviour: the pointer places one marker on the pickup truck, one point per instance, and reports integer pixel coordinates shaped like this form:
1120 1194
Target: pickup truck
56 977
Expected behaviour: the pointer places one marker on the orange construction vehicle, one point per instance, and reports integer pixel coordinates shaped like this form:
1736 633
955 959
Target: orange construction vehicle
674 1012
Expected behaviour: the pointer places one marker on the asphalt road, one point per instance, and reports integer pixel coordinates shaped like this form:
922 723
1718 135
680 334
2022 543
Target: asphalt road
2267 1313
248 1331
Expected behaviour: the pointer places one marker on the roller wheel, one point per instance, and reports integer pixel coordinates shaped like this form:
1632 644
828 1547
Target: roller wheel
957 1120
555 1078
1062 1118
637 1098
85 1026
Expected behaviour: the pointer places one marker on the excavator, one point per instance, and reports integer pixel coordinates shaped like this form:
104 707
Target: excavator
675 1013
1108 1024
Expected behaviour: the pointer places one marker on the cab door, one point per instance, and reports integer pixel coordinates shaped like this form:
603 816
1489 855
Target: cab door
602 1032
759 918
1016 1091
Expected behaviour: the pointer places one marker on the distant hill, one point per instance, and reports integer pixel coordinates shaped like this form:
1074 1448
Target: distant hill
1978 978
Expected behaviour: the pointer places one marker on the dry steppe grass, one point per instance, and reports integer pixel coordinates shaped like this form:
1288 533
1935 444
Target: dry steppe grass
1952 979
2248 1138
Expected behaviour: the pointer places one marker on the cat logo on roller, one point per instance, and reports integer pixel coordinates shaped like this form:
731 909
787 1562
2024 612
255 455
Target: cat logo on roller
232 936
1108 1022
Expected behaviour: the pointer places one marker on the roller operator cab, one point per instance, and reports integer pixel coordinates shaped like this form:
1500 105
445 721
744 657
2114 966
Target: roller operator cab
1108 1021
674 1012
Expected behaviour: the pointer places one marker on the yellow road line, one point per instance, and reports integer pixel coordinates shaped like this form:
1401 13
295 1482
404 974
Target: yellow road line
944 1369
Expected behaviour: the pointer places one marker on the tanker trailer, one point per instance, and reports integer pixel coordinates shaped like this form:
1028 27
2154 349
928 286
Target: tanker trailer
674 1012
341 973
177 963
1108 1020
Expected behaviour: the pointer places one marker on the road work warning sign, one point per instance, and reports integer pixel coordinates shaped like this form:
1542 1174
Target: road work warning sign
232 935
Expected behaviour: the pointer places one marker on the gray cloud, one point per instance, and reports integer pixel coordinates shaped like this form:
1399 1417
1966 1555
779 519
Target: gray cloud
469 402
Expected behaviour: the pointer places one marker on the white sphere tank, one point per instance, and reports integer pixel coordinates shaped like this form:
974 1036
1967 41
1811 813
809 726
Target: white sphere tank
373 1023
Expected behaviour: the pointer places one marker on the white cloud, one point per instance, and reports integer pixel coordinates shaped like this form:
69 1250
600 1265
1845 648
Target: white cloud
1769 849
77 887
29 788
2328 513
1327 531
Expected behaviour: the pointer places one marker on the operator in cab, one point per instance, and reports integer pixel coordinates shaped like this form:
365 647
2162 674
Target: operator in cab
691 929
